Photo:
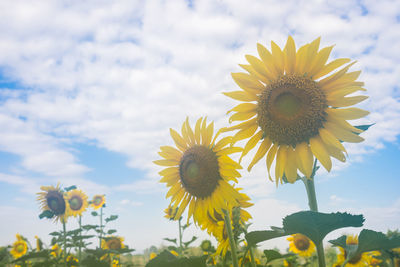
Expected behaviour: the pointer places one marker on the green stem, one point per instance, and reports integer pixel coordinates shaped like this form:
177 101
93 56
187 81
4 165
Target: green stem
232 241
312 202
180 236
80 240
65 242
101 226
253 259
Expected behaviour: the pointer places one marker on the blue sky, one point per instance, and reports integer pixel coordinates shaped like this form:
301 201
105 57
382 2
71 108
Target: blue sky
89 90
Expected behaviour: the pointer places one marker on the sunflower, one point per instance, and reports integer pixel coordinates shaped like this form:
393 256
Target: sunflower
247 261
170 213
19 248
373 258
39 244
301 245
77 201
72 261
199 170
358 261
98 201
296 107
53 199
55 251
112 242
152 255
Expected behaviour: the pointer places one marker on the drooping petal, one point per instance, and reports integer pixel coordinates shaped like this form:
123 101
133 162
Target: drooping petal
320 152
262 150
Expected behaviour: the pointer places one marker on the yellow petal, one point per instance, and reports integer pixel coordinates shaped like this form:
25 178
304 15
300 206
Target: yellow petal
330 139
320 61
241 125
251 144
301 59
179 141
340 121
346 101
306 156
170 180
340 92
229 150
342 134
290 56
346 79
191 208
336 153
278 57
185 134
227 161
242 96
244 107
169 171
259 66
252 71
182 206
244 134
320 152
291 166
190 132
210 132
241 116
197 132
349 113
330 67
173 190
169 152
270 158
248 83
268 60
222 143
280 164
166 162
262 150
203 132
311 54
337 75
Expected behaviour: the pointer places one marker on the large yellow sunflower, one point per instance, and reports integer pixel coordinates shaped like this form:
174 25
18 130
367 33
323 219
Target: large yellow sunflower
53 199
359 261
112 242
19 248
199 170
296 105
77 201
301 245
98 201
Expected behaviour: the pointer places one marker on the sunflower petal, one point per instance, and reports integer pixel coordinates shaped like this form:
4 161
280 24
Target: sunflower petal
242 96
166 162
222 143
248 83
262 150
312 54
306 157
268 60
281 158
259 66
291 166
241 116
290 56
346 101
278 57
330 67
179 141
336 153
197 132
252 71
343 134
320 152
349 113
320 61
330 139
270 158
244 133
190 132
244 107
251 143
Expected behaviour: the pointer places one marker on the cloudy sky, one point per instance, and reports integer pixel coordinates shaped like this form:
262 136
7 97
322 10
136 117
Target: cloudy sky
89 90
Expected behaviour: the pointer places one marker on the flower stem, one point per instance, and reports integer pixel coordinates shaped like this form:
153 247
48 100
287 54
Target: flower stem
65 242
232 242
80 240
101 226
312 203
253 260
180 236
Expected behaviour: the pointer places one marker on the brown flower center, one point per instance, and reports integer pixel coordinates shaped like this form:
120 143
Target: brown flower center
291 110
301 242
55 202
75 203
199 171
20 248
97 200
114 243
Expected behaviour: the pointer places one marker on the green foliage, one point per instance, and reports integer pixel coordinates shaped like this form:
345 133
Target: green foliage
94 213
272 255
259 236
170 240
66 189
364 127
166 259
111 218
46 214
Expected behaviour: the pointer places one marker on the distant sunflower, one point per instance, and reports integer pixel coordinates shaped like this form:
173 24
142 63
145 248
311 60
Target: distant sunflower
53 199
72 261
112 242
19 247
301 245
295 106
39 244
170 213
199 170
152 255
373 258
98 201
56 251
359 261
77 201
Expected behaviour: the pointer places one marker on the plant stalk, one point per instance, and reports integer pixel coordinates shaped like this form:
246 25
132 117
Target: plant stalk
253 259
65 241
232 242
80 240
101 226
180 236
312 203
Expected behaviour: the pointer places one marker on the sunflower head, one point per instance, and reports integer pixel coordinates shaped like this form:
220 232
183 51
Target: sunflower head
296 106
198 171
112 242
301 245
98 201
170 213
19 247
72 261
77 201
152 255
53 199
357 261
56 251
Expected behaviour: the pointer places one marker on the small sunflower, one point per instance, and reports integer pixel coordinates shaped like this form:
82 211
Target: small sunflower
19 248
72 261
247 261
98 201
297 107
39 244
199 170
301 245
112 242
53 199
373 258
359 261
152 255
77 201
170 213
56 251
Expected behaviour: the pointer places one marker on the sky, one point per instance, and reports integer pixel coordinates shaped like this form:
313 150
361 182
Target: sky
89 90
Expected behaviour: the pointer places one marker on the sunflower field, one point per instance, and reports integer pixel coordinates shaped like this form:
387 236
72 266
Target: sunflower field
293 111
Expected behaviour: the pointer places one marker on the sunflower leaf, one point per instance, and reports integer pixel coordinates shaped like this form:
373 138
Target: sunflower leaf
316 225
369 240
364 127
167 259
339 242
94 213
171 240
111 218
46 214
111 231
271 255
186 244
31 255
66 189
259 236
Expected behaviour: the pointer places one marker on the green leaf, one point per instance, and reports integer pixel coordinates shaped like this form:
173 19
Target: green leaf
271 255
55 233
364 127
94 213
369 240
89 227
171 240
111 218
339 242
111 231
91 261
259 236
32 255
66 189
166 259
46 214
316 225
186 244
